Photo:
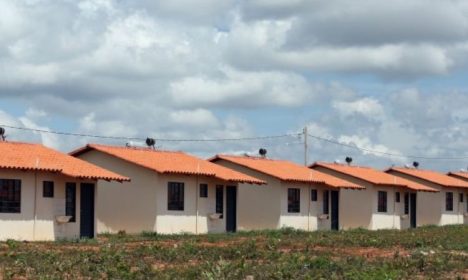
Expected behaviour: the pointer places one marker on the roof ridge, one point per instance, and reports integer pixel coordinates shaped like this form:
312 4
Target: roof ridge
145 149
345 165
254 158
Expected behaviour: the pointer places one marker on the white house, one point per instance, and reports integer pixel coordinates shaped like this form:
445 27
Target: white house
295 196
462 175
388 202
443 208
45 194
170 192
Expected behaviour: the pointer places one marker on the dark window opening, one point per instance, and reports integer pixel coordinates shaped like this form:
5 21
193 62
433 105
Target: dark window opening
175 196
449 201
220 200
382 202
10 196
70 201
313 195
203 190
294 200
397 197
326 206
406 203
461 197
48 189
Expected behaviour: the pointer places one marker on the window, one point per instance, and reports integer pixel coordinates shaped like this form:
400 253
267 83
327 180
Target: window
406 203
294 200
382 202
10 196
203 190
313 195
397 197
48 189
220 200
461 197
449 201
70 201
175 196
326 208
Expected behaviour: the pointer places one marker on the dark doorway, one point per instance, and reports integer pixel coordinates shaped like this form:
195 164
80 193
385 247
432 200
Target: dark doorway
87 211
231 209
335 207
413 210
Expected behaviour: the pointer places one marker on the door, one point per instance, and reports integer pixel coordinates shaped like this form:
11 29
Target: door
87 211
413 210
231 209
335 207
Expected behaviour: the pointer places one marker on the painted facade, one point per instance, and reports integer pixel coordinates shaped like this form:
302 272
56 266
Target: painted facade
142 204
266 206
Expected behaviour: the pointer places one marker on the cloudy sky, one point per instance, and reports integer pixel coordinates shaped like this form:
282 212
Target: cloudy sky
382 75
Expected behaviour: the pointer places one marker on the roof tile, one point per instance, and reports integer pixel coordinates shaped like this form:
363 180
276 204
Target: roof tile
171 162
373 176
286 171
432 176
36 157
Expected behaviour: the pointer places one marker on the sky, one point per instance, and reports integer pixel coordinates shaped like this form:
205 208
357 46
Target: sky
382 75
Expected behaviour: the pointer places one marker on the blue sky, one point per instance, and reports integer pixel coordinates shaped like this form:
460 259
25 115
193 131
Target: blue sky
382 75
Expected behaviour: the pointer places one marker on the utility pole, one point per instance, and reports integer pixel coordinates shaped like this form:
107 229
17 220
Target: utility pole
306 146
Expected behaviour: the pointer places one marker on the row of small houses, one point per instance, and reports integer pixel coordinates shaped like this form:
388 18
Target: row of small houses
48 195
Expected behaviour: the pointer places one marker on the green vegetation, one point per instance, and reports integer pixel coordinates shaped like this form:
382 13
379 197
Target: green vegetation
423 253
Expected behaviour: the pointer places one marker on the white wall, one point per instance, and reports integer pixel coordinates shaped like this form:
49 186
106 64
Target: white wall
431 206
141 205
23 226
266 206
358 208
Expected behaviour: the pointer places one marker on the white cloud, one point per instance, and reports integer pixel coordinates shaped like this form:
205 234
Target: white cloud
367 107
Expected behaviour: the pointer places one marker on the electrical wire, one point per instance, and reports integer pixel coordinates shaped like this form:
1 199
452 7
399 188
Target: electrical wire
384 153
235 139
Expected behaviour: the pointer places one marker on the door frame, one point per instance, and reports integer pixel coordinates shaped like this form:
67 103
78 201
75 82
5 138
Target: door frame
334 210
92 208
231 208
413 206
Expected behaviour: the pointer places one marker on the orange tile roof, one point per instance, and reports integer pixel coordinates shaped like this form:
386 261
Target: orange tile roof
373 176
286 171
432 176
462 175
36 157
170 162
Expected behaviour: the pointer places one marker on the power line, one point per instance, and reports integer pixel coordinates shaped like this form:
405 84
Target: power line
157 139
235 139
384 153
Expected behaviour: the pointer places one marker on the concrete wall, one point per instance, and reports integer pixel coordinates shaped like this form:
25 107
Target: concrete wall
141 205
358 208
266 206
24 226
431 206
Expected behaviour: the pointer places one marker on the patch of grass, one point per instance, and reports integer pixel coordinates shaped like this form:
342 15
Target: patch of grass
423 253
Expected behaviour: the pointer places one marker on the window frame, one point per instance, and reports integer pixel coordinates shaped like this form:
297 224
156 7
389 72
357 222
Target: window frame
70 201
449 201
313 195
48 189
12 196
382 202
175 196
219 203
203 191
294 200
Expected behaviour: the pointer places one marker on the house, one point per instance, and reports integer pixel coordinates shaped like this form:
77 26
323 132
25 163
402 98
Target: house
295 196
462 175
45 194
170 192
388 202
447 206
